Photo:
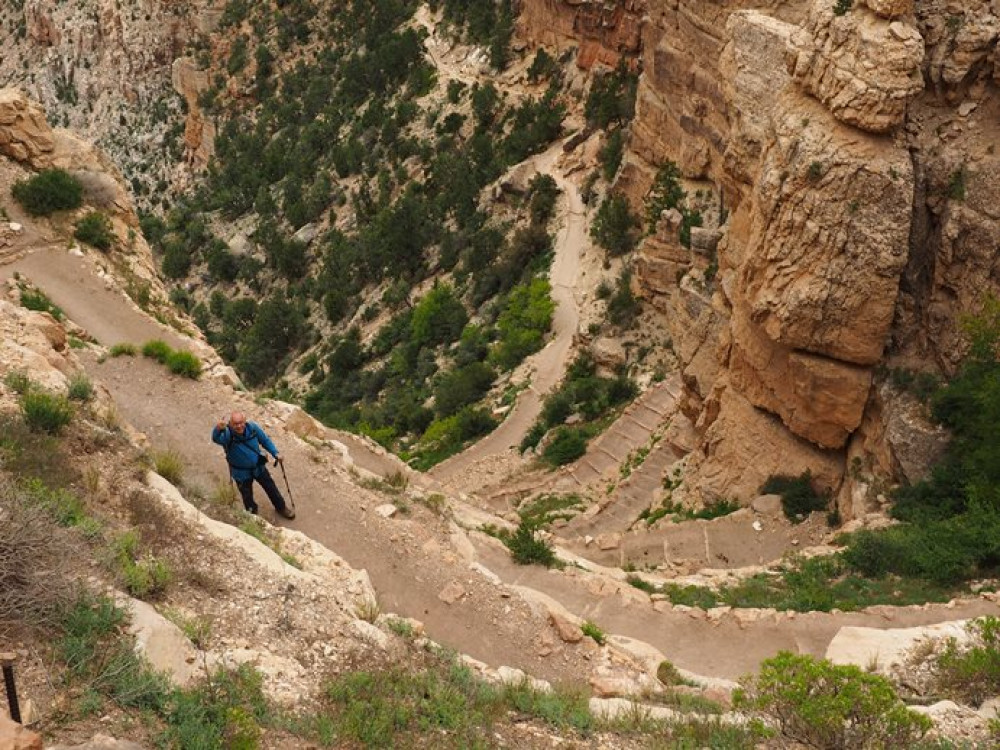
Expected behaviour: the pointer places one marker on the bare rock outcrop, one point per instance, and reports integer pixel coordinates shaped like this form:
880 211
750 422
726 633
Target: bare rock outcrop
605 32
752 66
863 67
961 40
890 8
742 446
25 135
682 112
815 286
199 131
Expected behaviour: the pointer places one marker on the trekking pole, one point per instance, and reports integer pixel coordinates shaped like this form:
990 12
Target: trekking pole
7 662
291 500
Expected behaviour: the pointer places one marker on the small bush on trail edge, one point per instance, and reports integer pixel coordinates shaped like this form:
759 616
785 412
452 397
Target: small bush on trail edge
34 563
667 674
123 350
33 299
80 388
144 577
970 673
185 364
157 349
18 381
45 412
179 362
823 705
526 548
798 497
567 445
95 229
592 630
169 465
49 191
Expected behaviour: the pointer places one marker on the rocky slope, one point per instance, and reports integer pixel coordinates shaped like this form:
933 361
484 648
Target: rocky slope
849 160
105 70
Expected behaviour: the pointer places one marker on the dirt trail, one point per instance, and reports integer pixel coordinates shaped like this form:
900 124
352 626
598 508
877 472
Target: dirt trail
550 363
410 561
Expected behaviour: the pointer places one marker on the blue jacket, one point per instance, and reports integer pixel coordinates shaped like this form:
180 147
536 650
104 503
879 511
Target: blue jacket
243 451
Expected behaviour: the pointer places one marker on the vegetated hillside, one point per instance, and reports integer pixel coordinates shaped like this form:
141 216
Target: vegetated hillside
344 214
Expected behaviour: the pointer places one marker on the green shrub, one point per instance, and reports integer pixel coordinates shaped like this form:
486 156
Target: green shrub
184 363
45 412
123 350
544 509
641 584
823 705
157 349
18 381
95 229
591 630
80 387
34 299
612 97
567 445
615 228
144 576
840 7
611 154
526 548
49 191
624 306
226 710
970 673
665 194
523 323
798 497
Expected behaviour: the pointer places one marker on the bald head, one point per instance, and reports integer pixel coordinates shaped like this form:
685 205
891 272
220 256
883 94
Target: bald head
237 422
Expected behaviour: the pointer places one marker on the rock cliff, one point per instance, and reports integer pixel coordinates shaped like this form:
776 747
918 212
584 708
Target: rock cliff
850 153
103 69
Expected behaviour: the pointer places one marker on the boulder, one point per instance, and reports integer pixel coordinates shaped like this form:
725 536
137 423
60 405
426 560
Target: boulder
15 737
25 135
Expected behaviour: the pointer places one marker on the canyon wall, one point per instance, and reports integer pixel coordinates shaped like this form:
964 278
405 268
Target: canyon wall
851 158
104 69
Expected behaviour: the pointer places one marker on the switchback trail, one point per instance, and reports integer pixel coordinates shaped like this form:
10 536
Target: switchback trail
412 560
549 364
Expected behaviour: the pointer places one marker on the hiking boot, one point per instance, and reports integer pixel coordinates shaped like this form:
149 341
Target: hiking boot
286 512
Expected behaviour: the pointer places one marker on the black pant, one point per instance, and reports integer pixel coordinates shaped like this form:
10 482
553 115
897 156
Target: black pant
265 480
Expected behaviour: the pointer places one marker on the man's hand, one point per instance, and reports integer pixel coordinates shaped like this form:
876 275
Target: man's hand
220 425
279 459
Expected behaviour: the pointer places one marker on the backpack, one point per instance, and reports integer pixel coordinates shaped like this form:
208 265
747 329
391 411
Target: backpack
247 437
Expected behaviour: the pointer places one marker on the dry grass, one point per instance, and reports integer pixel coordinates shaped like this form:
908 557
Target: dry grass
35 560
169 465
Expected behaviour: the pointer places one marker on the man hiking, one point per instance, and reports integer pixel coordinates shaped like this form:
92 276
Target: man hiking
242 441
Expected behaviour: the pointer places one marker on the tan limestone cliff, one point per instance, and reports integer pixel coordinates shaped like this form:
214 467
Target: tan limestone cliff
863 67
604 32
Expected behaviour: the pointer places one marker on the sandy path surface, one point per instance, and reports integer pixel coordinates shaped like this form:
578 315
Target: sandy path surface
409 563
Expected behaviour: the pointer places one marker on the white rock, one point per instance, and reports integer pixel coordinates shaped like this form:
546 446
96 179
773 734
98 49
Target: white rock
758 526
15 227
371 634
388 510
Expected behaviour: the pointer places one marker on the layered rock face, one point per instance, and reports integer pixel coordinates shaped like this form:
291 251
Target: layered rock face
103 69
24 132
604 32
864 70
853 156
